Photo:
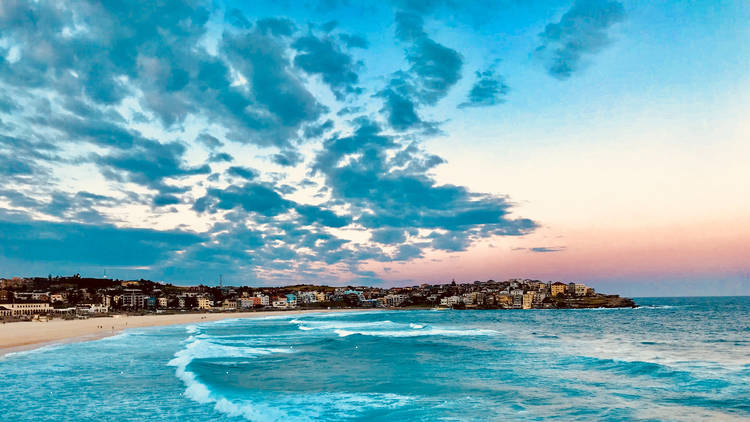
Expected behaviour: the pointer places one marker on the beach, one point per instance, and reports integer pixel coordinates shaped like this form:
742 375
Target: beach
16 336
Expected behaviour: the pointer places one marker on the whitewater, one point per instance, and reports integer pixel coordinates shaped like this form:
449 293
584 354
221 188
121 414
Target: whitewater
670 359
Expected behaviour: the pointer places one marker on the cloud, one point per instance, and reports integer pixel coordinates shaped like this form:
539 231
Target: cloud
46 241
488 90
252 197
276 26
322 56
312 214
434 69
357 170
149 164
581 31
287 158
547 249
242 172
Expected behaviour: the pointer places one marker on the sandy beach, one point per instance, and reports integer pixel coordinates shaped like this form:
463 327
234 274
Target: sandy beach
17 336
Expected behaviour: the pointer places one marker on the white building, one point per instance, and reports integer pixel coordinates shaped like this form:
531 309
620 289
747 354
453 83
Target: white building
27 308
394 300
450 300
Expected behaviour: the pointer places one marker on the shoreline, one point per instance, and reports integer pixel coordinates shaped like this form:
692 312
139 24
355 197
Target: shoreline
28 335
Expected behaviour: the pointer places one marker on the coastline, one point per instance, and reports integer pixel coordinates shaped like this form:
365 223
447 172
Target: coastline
28 335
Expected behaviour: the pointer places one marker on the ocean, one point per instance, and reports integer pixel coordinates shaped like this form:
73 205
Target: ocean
671 359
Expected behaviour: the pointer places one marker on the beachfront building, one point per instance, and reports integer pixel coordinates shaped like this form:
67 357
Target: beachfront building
577 289
5 312
18 309
264 299
557 288
450 301
204 303
279 302
527 300
133 299
291 300
163 302
394 300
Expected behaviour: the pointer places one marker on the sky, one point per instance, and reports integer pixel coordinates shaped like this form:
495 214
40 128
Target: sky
380 143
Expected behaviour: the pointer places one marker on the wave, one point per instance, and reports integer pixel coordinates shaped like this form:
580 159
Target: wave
275 407
419 333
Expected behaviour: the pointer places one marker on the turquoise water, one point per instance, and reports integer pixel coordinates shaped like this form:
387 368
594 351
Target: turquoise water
671 359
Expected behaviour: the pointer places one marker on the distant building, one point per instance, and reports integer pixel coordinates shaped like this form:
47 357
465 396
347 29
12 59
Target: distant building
394 300
133 299
204 303
18 309
527 300
557 289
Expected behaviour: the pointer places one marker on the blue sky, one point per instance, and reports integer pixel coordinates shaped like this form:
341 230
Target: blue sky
384 143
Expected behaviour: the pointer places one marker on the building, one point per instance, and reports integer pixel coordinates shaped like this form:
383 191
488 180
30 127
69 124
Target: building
279 302
291 300
18 309
527 300
394 300
133 299
163 302
204 303
577 289
557 288
6 296
450 301
58 297
264 299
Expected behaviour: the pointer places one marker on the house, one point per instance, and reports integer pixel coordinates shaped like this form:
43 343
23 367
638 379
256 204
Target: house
279 302
229 304
163 302
247 302
577 289
557 288
291 300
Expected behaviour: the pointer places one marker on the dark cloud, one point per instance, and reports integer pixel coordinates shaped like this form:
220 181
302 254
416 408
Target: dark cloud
581 31
409 26
322 56
287 158
220 157
252 197
45 241
359 174
163 200
546 249
209 141
276 26
488 90
312 214
434 70
242 172
353 41
149 164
